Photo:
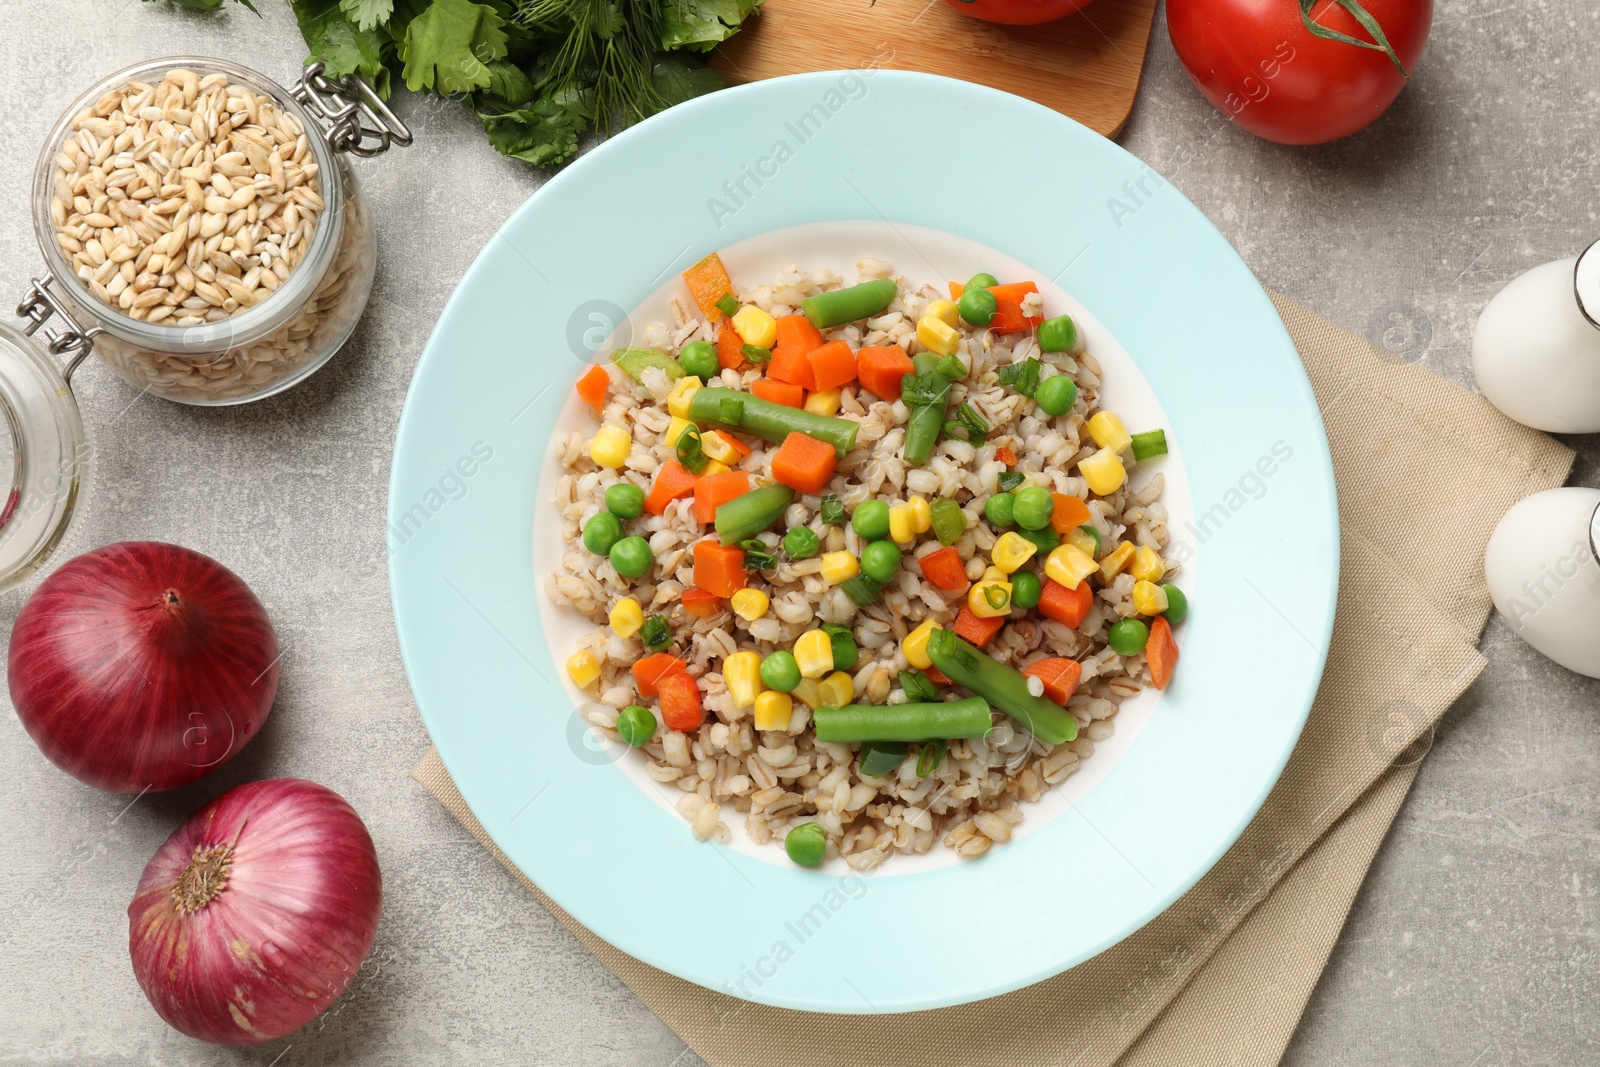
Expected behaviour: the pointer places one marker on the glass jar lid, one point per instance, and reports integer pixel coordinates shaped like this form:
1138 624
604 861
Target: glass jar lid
44 453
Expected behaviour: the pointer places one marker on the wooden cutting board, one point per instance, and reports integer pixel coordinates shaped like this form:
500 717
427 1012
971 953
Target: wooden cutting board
1086 65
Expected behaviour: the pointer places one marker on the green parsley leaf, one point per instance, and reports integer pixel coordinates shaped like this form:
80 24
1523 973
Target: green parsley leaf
696 25
366 14
449 46
338 45
544 133
676 79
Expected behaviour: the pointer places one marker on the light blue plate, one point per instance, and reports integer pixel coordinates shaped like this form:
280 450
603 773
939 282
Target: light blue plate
909 150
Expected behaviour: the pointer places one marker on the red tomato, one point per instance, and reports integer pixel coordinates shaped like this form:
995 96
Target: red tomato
1256 61
1018 12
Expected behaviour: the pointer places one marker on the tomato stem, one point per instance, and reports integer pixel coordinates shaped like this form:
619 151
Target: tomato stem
1379 42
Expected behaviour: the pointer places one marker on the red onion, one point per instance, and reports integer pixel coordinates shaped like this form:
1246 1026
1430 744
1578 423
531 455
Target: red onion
256 913
142 666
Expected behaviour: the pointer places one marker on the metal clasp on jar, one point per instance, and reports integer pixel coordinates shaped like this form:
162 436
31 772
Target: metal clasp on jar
342 104
66 338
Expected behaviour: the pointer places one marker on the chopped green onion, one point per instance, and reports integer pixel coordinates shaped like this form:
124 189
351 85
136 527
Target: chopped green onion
845 652
952 428
655 633
949 521
1023 377
862 590
951 368
917 688
1009 480
968 416
832 510
758 555
1149 444
755 353
690 452
932 755
996 596
924 390
728 305
878 758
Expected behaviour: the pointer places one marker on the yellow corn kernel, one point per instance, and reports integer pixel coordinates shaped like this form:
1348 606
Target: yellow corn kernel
993 574
1011 551
1115 560
750 604
742 672
611 446
838 689
626 617
676 427
936 335
921 515
683 391
989 600
773 710
755 326
943 310
823 402
583 669
714 467
1104 472
902 529
808 692
1069 565
1083 540
1147 565
1108 432
717 448
1149 598
813 651
914 646
839 567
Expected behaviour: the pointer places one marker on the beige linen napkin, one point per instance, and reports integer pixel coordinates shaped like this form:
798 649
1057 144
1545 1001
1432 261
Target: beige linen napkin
1425 469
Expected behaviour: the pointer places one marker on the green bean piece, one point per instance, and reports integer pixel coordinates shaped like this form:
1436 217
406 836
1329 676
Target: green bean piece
827 310
801 542
951 368
870 520
1128 637
1177 604
1033 508
879 758
1059 334
632 557
925 421
1000 510
880 561
636 725
780 671
977 307
1025 590
1149 445
635 361
601 532
730 409
1001 684
625 500
917 688
981 280
751 513
905 722
845 652
699 358
806 844
949 521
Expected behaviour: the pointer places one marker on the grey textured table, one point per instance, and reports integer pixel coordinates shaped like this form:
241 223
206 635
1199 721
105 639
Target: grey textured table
1476 939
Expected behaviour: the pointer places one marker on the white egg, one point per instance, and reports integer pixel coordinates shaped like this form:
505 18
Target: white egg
1535 354
1545 578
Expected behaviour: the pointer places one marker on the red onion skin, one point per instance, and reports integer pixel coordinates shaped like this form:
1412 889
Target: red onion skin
284 935
142 666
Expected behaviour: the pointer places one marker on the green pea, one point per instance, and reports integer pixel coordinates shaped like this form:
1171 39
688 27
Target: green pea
1177 604
801 542
636 725
1058 334
977 306
625 500
981 281
1128 637
870 520
601 532
632 557
1033 507
1025 589
1056 395
699 358
780 671
1000 510
880 561
806 844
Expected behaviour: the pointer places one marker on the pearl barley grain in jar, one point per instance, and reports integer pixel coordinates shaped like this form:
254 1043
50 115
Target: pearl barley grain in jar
195 213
